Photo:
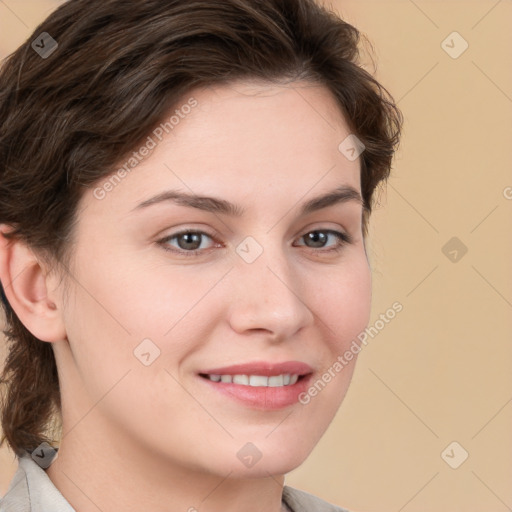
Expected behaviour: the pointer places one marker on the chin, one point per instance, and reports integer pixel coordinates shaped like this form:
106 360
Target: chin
271 466
264 458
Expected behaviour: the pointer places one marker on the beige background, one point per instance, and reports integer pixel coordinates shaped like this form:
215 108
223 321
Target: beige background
441 370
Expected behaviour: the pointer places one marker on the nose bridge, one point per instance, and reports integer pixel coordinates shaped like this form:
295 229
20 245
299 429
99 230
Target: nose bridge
268 292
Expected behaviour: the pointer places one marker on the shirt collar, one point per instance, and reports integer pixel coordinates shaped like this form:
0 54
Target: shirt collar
31 490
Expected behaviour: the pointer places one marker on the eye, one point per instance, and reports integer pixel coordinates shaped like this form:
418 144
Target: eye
319 237
189 242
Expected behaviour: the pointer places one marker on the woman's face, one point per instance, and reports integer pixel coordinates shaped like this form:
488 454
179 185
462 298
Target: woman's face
272 286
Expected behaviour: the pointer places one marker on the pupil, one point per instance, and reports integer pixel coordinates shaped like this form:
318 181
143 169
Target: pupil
315 236
190 238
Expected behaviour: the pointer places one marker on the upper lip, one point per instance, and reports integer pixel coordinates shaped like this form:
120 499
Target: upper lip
264 368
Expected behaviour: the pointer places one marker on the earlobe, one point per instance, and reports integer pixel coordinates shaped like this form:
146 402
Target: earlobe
25 285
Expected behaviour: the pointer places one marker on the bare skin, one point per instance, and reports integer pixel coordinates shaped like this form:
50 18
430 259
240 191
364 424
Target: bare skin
159 436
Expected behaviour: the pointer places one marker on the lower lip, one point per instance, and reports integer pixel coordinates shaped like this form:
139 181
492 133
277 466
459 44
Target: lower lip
262 397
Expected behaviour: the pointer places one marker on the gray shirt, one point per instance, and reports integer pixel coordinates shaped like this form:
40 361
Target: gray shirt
31 490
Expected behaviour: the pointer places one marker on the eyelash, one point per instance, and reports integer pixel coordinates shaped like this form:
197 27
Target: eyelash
343 239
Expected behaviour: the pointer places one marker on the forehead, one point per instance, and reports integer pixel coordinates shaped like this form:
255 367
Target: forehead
240 141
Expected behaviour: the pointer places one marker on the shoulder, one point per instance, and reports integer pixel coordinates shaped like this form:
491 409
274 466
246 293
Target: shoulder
16 498
31 490
302 501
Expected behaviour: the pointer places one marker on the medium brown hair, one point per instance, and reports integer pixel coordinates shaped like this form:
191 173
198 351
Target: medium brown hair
119 67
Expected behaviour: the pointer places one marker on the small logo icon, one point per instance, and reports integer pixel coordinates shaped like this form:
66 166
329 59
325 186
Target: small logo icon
146 352
454 455
44 455
454 249
249 455
351 147
249 250
454 45
44 45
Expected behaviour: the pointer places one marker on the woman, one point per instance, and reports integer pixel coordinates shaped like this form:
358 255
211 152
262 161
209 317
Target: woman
185 192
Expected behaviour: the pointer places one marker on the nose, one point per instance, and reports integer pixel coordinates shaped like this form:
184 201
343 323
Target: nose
269 296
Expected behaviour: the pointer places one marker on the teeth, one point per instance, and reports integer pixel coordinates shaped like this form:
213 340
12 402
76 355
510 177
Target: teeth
276 381
241 379
257 380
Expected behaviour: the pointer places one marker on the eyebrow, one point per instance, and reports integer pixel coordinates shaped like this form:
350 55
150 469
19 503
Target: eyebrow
339 195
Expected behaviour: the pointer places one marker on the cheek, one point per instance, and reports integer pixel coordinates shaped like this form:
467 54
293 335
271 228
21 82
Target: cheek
343 303
343 306
121 301
152 298
122 291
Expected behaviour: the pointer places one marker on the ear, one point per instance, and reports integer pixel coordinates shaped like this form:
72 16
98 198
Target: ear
26 287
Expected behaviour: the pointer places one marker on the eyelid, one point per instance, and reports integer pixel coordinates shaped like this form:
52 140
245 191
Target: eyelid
344 238
167 238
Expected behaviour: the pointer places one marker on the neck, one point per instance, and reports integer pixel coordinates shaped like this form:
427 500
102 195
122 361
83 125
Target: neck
109 476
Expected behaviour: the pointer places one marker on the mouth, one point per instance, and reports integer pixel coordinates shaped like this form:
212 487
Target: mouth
263 386
275 381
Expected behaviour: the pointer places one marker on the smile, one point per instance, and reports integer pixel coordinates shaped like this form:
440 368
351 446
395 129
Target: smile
274 381
262 385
